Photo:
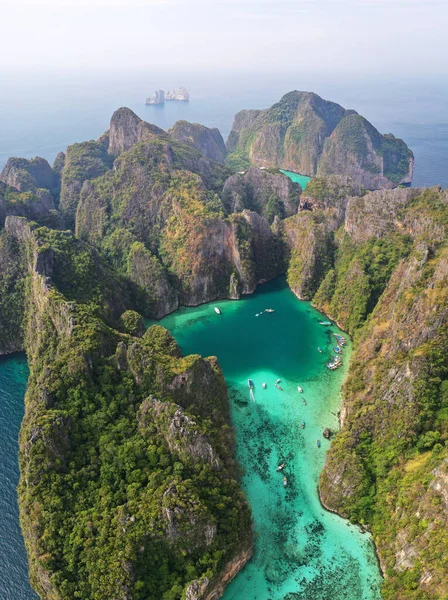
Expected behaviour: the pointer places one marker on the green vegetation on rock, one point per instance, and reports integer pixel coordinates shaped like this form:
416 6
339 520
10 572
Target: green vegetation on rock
128 481
386 283
306 134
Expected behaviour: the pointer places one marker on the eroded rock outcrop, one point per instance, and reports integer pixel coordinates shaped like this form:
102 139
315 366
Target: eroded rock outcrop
387 282
268 193
29 175
82 162
126 130
158 214
309 135
37 205
208 141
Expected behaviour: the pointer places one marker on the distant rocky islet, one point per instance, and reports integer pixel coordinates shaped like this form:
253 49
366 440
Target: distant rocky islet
180 94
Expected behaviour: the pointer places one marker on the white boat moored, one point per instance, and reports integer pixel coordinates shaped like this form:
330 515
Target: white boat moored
217 311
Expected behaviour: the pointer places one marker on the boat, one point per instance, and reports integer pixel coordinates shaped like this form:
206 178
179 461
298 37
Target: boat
337 349
318 443
258 314
300 389
280 467
217 311
250 384
304 401
340 339
335 363
324 323
278 381
264 386
319 349
302 425
278 387
285 481
269 310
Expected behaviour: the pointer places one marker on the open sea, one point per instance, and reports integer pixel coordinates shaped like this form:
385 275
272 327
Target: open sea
42 113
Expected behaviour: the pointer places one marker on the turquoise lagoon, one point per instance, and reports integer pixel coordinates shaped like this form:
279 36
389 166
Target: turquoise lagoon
303 180
302 551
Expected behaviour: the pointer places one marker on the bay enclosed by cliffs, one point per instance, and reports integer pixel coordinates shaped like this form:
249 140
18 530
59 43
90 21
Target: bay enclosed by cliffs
300 548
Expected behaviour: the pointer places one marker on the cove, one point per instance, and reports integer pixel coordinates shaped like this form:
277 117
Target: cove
303 180
14 584
302 551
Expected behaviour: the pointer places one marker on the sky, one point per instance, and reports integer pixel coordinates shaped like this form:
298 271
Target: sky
392 37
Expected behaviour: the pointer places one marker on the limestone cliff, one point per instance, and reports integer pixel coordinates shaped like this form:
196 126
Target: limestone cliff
158 217
385 281
312 136
126 129
119 436
268 193
83 161
37 205
12 293
208 141
179 93
29 175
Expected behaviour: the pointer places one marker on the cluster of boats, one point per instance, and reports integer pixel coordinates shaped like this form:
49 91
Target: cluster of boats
266 310
336 361
251 385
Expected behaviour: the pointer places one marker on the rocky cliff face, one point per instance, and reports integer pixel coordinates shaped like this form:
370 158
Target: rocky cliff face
30 175
309 135
83 161
12 291
37 205
179 93
93 415
208 141
356 148
163 195
384 280
268 193
126 129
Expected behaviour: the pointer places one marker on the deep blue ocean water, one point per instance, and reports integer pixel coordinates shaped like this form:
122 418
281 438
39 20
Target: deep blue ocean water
41 115
14 583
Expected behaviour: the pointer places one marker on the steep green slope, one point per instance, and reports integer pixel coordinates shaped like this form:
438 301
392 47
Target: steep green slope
128 485
309 135
29 175
386 283
83 161
207 141
159 218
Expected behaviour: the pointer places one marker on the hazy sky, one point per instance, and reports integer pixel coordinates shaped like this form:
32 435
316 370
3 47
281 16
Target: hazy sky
369 36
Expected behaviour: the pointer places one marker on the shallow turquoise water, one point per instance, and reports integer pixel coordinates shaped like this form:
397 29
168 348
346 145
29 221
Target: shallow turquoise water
14 584
301 551
303 180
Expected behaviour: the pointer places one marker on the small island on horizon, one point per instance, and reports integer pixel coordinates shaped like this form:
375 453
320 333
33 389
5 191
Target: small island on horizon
181 94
